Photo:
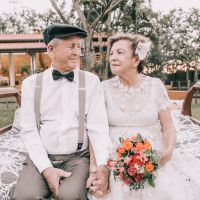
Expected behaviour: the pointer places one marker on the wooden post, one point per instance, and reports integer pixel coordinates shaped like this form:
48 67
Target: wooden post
33 63
188 84
171 84
11 70
179 85
196 73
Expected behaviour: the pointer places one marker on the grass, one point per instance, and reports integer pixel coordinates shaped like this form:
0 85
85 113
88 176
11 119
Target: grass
196 109
7 109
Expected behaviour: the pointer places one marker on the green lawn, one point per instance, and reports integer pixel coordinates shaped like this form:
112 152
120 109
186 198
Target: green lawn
196 110
7 109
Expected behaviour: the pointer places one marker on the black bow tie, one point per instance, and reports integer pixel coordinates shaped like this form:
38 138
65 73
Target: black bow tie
57 75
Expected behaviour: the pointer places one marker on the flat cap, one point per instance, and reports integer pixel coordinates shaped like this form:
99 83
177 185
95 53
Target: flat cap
62 31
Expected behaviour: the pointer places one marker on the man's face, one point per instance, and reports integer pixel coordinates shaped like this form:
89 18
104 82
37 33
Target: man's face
65 53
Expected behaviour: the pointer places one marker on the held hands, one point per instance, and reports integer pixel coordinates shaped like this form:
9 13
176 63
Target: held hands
53 176
97 182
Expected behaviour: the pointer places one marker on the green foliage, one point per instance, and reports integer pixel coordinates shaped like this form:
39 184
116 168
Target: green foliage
25 69
99 69
26 20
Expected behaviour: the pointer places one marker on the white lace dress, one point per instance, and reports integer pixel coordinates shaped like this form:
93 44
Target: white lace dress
132 111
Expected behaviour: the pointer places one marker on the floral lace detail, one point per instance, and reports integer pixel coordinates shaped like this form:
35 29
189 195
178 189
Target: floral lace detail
131 90
129 98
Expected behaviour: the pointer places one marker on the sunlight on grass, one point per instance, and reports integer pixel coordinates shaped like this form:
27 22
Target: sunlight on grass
7 109
196 110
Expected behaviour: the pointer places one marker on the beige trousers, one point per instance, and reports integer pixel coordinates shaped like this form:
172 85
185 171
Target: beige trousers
31 185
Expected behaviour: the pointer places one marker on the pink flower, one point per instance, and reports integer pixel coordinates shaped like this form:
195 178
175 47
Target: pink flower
132 171
110 163
127 160
126 181
121 169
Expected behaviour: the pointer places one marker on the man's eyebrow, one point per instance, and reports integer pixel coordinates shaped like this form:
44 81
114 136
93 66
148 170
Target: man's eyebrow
72 43
118 49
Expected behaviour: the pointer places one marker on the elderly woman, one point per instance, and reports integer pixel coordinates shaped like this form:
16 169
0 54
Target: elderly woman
137 103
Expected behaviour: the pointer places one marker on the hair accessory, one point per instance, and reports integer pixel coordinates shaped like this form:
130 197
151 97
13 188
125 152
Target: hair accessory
142 49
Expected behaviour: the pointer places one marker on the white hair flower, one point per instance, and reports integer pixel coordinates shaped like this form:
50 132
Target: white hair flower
142 49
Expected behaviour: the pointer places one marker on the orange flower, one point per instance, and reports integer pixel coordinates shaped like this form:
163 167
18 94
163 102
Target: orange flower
149 167
127 144
147 145
139 146
120 150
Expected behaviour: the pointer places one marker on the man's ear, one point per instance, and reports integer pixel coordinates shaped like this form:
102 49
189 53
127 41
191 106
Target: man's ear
50 48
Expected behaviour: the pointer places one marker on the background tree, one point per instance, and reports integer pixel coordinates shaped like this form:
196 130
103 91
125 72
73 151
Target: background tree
180 39
91 13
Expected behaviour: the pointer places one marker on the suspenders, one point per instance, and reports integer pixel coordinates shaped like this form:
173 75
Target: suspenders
81 96
37 98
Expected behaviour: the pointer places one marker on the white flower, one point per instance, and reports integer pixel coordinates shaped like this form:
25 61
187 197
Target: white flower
142 50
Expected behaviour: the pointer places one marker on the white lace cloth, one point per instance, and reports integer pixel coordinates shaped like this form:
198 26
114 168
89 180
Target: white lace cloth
136 110
188 135
12 155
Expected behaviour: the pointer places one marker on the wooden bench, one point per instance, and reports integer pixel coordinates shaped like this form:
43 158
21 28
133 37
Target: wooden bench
187 97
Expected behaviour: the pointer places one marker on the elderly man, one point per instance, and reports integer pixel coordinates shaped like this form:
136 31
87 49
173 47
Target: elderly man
60 110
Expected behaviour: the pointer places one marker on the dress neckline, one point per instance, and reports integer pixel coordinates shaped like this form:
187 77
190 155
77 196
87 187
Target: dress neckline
143 81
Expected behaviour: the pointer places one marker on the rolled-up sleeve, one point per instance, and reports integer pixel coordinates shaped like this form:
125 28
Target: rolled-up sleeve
29 134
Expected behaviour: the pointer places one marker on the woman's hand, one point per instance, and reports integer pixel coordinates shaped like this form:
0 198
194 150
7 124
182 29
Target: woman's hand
165 156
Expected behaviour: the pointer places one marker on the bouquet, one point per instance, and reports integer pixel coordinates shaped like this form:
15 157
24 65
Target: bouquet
134 162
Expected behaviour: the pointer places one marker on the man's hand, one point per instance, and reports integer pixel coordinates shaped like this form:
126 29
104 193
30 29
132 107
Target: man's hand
53 176
98 181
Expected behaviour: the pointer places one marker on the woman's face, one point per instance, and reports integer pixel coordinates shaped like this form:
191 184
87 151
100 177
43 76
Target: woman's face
121 59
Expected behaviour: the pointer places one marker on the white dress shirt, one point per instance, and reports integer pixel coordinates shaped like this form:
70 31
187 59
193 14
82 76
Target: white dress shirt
59 122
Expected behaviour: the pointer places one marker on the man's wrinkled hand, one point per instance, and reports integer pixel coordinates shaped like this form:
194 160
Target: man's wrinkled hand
53 176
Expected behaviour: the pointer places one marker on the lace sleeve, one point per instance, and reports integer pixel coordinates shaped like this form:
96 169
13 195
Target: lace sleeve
162 96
